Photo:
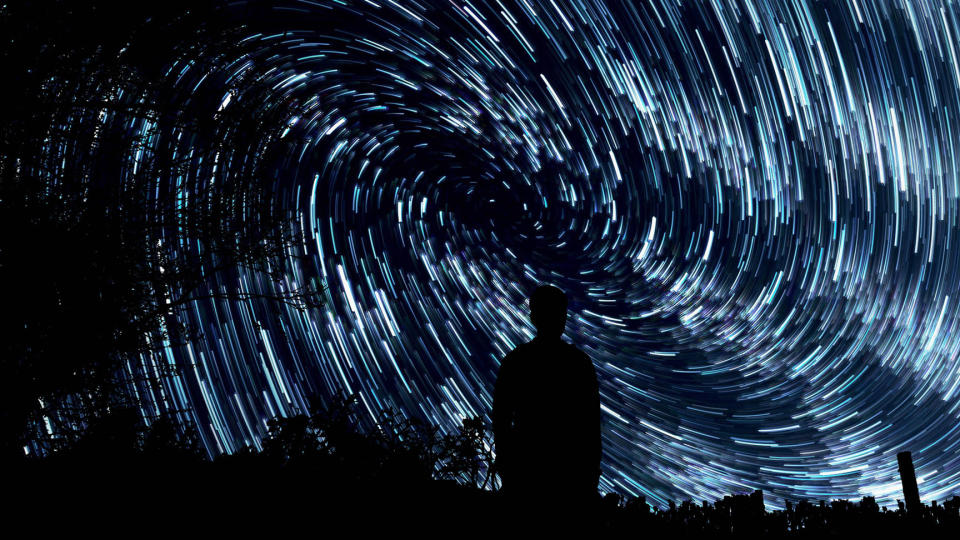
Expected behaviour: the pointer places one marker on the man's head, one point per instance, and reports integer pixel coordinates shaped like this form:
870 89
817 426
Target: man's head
548 312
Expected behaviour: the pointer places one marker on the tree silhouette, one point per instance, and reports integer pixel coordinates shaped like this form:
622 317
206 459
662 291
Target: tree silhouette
469 453
124 197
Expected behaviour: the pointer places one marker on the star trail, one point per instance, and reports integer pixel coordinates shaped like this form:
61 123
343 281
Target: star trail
752 205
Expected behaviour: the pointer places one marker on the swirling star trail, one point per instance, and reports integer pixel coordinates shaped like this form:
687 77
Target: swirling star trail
753 206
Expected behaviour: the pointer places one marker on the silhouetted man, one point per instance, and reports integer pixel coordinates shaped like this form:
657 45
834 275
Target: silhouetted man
546 414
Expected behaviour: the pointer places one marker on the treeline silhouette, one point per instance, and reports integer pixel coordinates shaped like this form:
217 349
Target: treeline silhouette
398 473
325 443
319 463
746 516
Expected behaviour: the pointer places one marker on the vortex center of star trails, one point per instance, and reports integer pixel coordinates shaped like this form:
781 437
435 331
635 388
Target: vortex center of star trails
752 206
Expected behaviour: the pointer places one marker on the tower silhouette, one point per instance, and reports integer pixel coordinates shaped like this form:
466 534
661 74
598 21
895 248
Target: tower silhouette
908 477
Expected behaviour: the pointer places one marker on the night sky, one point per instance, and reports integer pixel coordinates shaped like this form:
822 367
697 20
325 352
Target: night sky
753 207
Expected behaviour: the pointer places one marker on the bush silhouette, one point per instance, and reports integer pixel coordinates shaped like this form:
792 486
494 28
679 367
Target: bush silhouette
397 450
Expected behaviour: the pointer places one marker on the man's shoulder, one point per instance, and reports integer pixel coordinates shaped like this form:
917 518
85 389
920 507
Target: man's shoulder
533 349
518 352
580 359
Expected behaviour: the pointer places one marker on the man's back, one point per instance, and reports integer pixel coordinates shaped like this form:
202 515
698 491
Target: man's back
546 417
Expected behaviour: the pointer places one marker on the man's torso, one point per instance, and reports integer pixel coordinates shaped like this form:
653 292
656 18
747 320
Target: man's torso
554 422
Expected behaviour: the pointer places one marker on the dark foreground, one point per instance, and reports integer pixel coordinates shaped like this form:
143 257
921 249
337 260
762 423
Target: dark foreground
193 499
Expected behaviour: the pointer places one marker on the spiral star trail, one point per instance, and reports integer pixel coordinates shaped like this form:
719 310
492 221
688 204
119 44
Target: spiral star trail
752 205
